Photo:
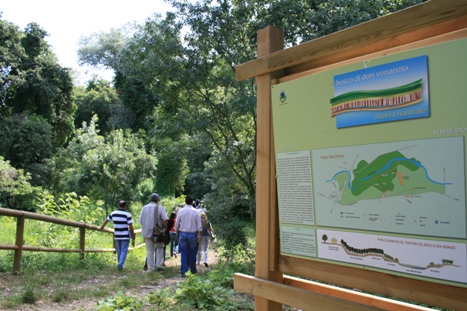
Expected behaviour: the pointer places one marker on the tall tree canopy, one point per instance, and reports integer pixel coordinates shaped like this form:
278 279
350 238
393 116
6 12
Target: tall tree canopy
32 81
26 141
98 98
11 54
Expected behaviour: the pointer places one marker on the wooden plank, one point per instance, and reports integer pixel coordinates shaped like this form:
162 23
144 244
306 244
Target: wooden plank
407 41
295 297
65 250
8 247
270 39
379 34
455 35
430 293
352 295
59 221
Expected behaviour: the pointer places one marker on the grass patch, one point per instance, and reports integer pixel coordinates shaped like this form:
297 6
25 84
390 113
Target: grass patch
28 296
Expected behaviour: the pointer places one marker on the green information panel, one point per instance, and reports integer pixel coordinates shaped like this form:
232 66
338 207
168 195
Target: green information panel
371 162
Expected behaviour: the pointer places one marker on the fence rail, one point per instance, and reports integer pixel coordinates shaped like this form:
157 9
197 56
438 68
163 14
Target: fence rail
18 247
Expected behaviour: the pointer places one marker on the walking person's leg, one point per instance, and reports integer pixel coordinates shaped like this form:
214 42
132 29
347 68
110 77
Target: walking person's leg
204 245
118 249
123 253
183 248
193 249
173 236
160 256
150 254
199 254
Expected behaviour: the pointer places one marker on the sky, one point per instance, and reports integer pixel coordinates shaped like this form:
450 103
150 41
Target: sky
66 21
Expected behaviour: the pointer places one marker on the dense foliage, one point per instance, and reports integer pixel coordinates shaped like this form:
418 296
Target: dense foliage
32 82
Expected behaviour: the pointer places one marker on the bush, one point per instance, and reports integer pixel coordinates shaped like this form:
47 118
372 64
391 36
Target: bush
202 294
28 296
119 302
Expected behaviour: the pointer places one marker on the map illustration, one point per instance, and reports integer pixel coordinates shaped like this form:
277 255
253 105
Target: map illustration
399 254
414 187
390 174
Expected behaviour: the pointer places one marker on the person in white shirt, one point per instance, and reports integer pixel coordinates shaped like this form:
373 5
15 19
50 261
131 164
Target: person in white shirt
188 226
146 219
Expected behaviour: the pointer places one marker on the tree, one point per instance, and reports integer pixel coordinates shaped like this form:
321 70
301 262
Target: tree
11 53
98 98
33 82
172 167
138 100
107 168
197 85
103 49
325 238
26 141
15 190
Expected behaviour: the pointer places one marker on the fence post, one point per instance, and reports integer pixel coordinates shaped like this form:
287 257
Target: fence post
82 241
270 39
19 244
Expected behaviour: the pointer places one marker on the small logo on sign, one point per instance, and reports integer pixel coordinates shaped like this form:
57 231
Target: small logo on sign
283 97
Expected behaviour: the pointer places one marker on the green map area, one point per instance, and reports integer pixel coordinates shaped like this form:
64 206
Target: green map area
390 174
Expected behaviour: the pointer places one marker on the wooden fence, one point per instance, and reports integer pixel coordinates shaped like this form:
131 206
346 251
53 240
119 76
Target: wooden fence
18 247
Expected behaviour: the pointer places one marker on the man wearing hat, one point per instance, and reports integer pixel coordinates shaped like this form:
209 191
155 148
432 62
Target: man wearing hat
153 216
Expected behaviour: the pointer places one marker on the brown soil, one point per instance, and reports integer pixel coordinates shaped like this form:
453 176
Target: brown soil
7 280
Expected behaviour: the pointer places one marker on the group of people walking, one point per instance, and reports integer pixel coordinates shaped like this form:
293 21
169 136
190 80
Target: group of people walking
187 231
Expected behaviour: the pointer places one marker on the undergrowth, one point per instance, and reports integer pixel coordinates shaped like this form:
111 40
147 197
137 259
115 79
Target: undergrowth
52 277
209 291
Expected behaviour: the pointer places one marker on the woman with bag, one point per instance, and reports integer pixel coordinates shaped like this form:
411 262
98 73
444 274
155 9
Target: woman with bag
203 245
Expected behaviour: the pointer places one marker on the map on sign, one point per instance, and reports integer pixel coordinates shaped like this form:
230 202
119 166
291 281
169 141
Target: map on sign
390 174
387 187
434 259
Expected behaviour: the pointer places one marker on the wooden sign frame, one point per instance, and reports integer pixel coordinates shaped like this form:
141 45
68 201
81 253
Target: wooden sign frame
433 22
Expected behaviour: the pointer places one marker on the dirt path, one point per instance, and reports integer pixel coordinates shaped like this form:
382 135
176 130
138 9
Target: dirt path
89 304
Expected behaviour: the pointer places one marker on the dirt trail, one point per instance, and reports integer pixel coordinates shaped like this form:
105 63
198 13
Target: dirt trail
89 304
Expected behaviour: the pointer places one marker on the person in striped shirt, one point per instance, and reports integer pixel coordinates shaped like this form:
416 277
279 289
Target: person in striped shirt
123 231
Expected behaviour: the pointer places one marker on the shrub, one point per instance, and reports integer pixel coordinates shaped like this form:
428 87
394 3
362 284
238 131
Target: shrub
28 296
202 294
119 302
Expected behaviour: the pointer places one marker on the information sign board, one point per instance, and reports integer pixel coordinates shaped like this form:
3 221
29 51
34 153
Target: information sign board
370 161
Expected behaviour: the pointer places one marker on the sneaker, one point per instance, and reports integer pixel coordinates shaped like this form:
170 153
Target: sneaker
145 267
159 269
206 264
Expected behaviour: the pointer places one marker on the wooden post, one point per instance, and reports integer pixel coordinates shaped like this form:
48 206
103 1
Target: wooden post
270 39
82 241
19 244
